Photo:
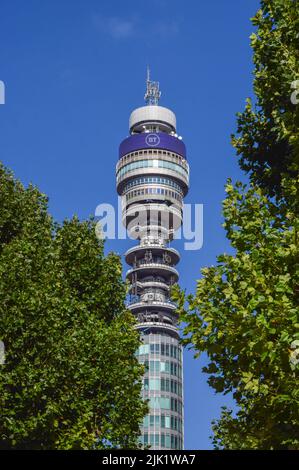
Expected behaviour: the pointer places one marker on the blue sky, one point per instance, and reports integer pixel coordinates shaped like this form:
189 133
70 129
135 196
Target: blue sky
74 70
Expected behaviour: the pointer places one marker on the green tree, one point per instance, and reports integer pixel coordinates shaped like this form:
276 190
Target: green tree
245 310
245 316
267 140
70 378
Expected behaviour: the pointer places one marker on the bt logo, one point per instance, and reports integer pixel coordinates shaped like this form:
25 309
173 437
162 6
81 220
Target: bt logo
152 140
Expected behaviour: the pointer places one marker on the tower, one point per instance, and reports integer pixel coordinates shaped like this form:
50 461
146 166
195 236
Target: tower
152 178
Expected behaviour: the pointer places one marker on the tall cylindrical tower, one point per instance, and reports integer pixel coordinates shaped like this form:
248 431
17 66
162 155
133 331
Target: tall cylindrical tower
152 177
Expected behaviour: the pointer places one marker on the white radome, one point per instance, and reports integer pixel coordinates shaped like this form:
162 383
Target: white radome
152 113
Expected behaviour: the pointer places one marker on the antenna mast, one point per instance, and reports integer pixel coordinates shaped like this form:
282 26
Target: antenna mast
152 94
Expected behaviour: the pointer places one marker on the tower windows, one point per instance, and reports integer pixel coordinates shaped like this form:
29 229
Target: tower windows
150 164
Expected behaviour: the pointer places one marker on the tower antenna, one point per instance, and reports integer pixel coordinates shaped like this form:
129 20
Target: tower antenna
152 94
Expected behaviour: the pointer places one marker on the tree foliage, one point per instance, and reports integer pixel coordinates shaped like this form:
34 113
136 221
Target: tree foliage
267 139
244 314
70 378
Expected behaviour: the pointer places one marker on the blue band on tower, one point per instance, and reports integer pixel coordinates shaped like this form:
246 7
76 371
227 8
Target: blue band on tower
159 140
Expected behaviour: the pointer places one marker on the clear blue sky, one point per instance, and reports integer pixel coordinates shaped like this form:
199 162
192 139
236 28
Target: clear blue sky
74 70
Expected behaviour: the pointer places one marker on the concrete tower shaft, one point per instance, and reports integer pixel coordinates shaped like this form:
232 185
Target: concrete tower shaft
152 177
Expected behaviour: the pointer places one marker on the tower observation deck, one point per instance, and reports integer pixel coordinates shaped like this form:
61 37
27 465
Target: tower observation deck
152 177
